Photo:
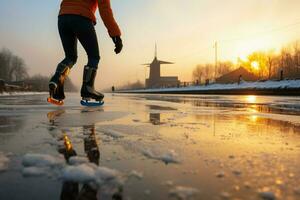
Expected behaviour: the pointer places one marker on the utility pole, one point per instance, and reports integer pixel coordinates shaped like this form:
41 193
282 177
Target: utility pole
216 59
155 50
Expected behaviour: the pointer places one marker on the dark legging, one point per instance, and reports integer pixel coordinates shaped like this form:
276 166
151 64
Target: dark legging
73 28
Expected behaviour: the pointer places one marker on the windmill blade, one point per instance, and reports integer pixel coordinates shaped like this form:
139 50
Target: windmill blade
147 64
164 62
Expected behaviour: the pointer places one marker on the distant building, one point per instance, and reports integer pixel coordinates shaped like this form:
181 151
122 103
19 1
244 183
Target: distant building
155 79
237 75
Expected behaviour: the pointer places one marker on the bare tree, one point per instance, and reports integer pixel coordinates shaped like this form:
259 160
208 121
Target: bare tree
5 63
271 59
198 73
18 70
225 67
12 68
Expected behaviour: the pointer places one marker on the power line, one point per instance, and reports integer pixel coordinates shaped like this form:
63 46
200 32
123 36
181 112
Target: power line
263 32
203 50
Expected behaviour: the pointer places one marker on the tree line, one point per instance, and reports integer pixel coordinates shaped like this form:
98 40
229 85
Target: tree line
13 70
12 67
264 64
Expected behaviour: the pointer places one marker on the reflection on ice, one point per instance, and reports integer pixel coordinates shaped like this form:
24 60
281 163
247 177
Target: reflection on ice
216 147
4 160
251 99
86 171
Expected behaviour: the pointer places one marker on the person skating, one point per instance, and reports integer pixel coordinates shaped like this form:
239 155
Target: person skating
76 22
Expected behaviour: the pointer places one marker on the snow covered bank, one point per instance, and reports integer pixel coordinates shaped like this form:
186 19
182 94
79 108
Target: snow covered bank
291 86
21 93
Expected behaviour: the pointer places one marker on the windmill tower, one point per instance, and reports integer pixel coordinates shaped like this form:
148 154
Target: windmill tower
155 80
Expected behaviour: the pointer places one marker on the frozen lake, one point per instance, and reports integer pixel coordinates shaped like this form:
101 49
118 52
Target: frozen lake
150 147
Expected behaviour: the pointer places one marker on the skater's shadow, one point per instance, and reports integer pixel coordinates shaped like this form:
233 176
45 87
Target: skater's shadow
71 190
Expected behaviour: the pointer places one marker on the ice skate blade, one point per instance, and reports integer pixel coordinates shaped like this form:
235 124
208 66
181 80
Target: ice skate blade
91 104
55 102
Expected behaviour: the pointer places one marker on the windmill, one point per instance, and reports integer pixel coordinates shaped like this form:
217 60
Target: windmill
155 79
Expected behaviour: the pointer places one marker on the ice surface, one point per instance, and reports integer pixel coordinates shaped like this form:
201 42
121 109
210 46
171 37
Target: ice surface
250 144
183 193
87 118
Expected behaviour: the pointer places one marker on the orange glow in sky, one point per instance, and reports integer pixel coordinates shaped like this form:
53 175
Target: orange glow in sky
255 65
184 31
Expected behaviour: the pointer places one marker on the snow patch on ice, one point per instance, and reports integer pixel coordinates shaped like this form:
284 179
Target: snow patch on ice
220 174
169 157
80 170
168 183
82 173
77 160
41 160
41 164
136 174
225 195
4 160
91 173
183 193
34 171
112 133
147 192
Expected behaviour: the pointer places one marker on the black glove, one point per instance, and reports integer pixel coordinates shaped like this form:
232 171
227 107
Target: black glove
118 44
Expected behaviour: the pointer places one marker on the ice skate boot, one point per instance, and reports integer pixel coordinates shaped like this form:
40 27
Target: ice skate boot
88 91
56 85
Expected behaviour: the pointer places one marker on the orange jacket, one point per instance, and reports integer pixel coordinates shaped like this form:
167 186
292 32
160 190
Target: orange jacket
87 8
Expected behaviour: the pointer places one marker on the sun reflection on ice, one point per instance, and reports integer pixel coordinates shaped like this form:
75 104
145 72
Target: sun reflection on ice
253 118
251 99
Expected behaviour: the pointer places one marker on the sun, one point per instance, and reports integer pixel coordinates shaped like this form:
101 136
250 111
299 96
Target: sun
255 65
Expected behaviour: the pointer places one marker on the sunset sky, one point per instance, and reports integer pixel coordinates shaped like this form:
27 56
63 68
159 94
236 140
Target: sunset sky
183 30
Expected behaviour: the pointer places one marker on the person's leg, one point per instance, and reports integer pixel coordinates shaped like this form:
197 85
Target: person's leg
86 34
69 42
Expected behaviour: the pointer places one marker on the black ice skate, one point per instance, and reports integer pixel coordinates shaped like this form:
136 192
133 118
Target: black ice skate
56 85
88 92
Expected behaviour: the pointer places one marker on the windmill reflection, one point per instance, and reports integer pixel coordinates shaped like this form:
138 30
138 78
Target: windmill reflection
155 118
